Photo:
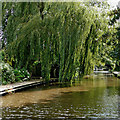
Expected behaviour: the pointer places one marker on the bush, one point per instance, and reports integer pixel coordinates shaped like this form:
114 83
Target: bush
21 74
10 75
6 73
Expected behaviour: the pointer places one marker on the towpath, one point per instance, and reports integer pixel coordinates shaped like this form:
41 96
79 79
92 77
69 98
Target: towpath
6 89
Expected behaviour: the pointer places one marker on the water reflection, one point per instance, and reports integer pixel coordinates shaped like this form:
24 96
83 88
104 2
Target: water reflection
88 98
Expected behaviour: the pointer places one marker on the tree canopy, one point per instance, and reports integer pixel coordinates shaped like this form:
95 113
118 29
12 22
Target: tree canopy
64 38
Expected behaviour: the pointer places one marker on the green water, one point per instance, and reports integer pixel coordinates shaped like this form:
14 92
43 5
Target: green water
96 97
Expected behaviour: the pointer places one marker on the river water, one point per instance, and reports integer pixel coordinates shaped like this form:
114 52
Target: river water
96 97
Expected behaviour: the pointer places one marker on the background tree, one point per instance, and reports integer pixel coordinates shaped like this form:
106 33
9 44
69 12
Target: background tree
112 43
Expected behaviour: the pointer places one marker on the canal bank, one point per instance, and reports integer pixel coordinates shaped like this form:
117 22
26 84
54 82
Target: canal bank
11 88
116 74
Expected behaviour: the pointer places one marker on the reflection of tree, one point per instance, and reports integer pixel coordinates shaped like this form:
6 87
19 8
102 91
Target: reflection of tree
112 90
99 100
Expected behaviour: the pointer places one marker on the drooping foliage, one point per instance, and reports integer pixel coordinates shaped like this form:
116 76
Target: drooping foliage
111 42
62 37
116 53
15 15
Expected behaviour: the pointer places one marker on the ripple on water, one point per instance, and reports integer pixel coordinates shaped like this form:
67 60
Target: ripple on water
90 99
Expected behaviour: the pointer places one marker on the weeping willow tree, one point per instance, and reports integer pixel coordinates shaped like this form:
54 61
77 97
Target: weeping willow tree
16 15
63 37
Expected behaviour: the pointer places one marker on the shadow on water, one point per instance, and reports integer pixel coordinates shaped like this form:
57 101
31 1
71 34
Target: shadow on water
96 97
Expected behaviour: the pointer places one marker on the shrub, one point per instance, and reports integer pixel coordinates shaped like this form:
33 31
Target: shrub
21 74
10 75
6 73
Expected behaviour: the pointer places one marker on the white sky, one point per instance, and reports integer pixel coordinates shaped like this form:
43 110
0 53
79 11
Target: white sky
113 2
